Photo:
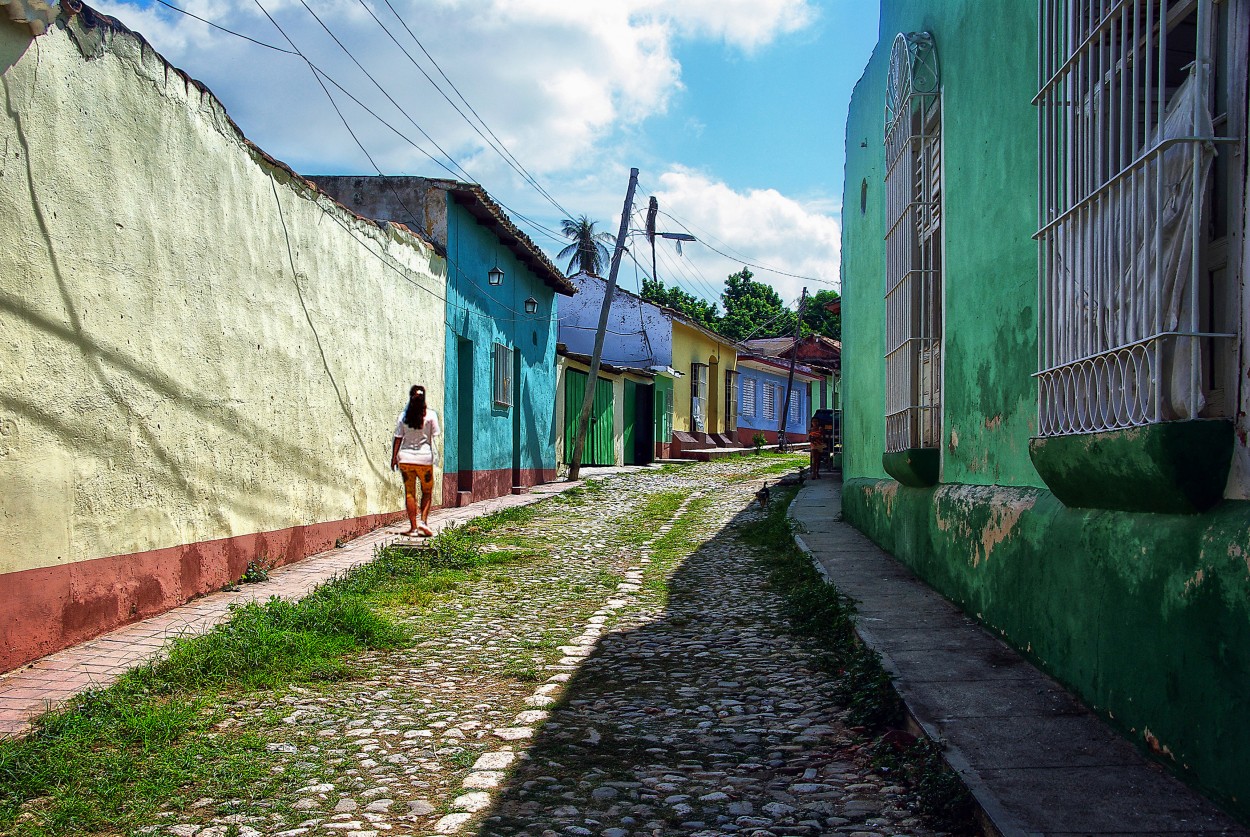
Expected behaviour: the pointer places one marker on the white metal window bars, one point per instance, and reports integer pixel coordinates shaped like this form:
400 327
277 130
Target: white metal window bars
502 374
731 400
913 281
770 402
698 397
1129 320
795 407
748 396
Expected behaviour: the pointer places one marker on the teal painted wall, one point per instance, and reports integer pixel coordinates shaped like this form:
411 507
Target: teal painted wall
1145 616
987 56
487 315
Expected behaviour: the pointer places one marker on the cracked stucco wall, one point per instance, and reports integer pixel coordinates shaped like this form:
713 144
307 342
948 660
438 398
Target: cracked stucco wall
197 345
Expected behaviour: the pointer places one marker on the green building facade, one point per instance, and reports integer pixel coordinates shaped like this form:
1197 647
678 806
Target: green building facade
1021 174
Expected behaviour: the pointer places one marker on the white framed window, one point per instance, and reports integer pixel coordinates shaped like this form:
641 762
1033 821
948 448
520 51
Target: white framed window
1140 108
502 375
796 407
748 397
770 402
698 397
731 400
913 244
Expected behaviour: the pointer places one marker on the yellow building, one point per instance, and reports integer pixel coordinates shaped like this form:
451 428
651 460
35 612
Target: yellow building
705 397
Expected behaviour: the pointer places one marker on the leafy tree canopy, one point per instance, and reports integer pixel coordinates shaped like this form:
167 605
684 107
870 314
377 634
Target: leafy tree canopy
816 318
700 310
753 309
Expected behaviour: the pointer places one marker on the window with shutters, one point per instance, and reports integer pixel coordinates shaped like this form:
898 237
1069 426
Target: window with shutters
796 407
502 375
770 402
731 400
913 244
748 397
698 397
1141 120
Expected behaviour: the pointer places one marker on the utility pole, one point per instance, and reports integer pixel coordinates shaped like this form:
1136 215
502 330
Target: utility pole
794 353
575 463
653 209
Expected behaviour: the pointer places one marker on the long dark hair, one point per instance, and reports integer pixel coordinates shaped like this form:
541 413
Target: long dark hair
414 416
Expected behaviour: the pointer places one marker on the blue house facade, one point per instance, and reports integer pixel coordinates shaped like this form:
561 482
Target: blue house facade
501 314
761 399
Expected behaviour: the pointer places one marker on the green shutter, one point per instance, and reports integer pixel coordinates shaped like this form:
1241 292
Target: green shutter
598 447
630 431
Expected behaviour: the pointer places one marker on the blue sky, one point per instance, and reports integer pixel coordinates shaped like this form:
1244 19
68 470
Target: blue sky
733 110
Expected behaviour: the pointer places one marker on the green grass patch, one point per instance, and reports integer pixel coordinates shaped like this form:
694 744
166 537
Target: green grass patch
656 510
817 609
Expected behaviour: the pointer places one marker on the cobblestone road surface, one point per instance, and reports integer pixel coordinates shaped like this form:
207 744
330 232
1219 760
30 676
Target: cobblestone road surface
612 686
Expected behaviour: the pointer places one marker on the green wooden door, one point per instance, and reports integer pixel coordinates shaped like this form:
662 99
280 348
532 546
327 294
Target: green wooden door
598 448
630 431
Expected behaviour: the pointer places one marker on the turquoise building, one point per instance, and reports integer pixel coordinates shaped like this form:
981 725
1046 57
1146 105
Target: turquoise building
1045 345
501 314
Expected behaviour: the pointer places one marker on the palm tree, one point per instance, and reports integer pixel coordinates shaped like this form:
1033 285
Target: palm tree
589 251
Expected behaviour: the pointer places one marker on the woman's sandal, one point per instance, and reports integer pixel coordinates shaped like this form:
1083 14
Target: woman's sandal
424 531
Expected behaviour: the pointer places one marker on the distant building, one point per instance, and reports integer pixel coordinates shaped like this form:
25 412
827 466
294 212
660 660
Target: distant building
762 399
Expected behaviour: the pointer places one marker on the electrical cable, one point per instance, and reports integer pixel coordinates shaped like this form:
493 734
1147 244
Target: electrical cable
707 235
224 29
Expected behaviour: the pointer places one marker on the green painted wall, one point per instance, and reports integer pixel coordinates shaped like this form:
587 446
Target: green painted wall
1145 616
989 144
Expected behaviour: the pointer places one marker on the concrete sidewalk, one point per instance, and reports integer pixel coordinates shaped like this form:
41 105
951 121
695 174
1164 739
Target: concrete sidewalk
1037 761
50 681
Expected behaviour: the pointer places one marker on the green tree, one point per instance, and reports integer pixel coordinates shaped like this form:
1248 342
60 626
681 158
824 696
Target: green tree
753 309
700 310
819 319
589 251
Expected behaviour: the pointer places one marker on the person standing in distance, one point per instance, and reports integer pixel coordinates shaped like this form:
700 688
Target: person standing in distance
413 453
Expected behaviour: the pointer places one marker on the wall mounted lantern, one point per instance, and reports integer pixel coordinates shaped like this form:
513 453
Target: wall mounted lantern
531 306
495 276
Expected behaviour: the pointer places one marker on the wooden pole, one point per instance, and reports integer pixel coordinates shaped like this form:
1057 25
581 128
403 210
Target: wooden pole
794 353
575 461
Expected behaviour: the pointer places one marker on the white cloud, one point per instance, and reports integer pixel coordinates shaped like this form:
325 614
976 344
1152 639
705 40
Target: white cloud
565 86
759 226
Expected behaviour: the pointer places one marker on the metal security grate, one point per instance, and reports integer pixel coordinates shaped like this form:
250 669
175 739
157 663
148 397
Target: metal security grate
1132 320
913 244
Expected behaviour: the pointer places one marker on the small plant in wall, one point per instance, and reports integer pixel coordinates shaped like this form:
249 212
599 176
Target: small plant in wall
758 440
257 570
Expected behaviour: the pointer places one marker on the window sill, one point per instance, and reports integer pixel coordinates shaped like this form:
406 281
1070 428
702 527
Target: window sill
1177 467
916 467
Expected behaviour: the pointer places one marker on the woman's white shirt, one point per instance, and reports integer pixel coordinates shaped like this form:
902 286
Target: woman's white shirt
417 443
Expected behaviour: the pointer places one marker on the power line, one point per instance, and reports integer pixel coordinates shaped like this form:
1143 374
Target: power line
739 258
224 29
494 141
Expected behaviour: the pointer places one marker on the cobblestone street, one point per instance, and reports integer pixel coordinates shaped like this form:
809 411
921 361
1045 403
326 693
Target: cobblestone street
635 676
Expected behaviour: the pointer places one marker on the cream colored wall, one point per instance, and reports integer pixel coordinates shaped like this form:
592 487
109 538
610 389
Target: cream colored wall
195 344
693 346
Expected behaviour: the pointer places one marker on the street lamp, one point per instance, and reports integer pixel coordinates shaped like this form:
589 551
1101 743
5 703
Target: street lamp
531 306
494 276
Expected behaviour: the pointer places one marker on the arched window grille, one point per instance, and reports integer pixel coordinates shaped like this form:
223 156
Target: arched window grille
913 245
1137 295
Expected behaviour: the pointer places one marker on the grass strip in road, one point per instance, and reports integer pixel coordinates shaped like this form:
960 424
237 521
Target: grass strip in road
819 610
108 760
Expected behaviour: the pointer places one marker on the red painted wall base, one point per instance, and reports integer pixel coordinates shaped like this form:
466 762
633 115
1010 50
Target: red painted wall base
51 608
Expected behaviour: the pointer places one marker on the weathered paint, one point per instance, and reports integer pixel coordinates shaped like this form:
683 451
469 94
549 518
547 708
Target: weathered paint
1145 616
1178 467
198 347
639 334
990 342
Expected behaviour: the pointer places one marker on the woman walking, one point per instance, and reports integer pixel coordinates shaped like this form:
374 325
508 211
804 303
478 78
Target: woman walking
412 452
